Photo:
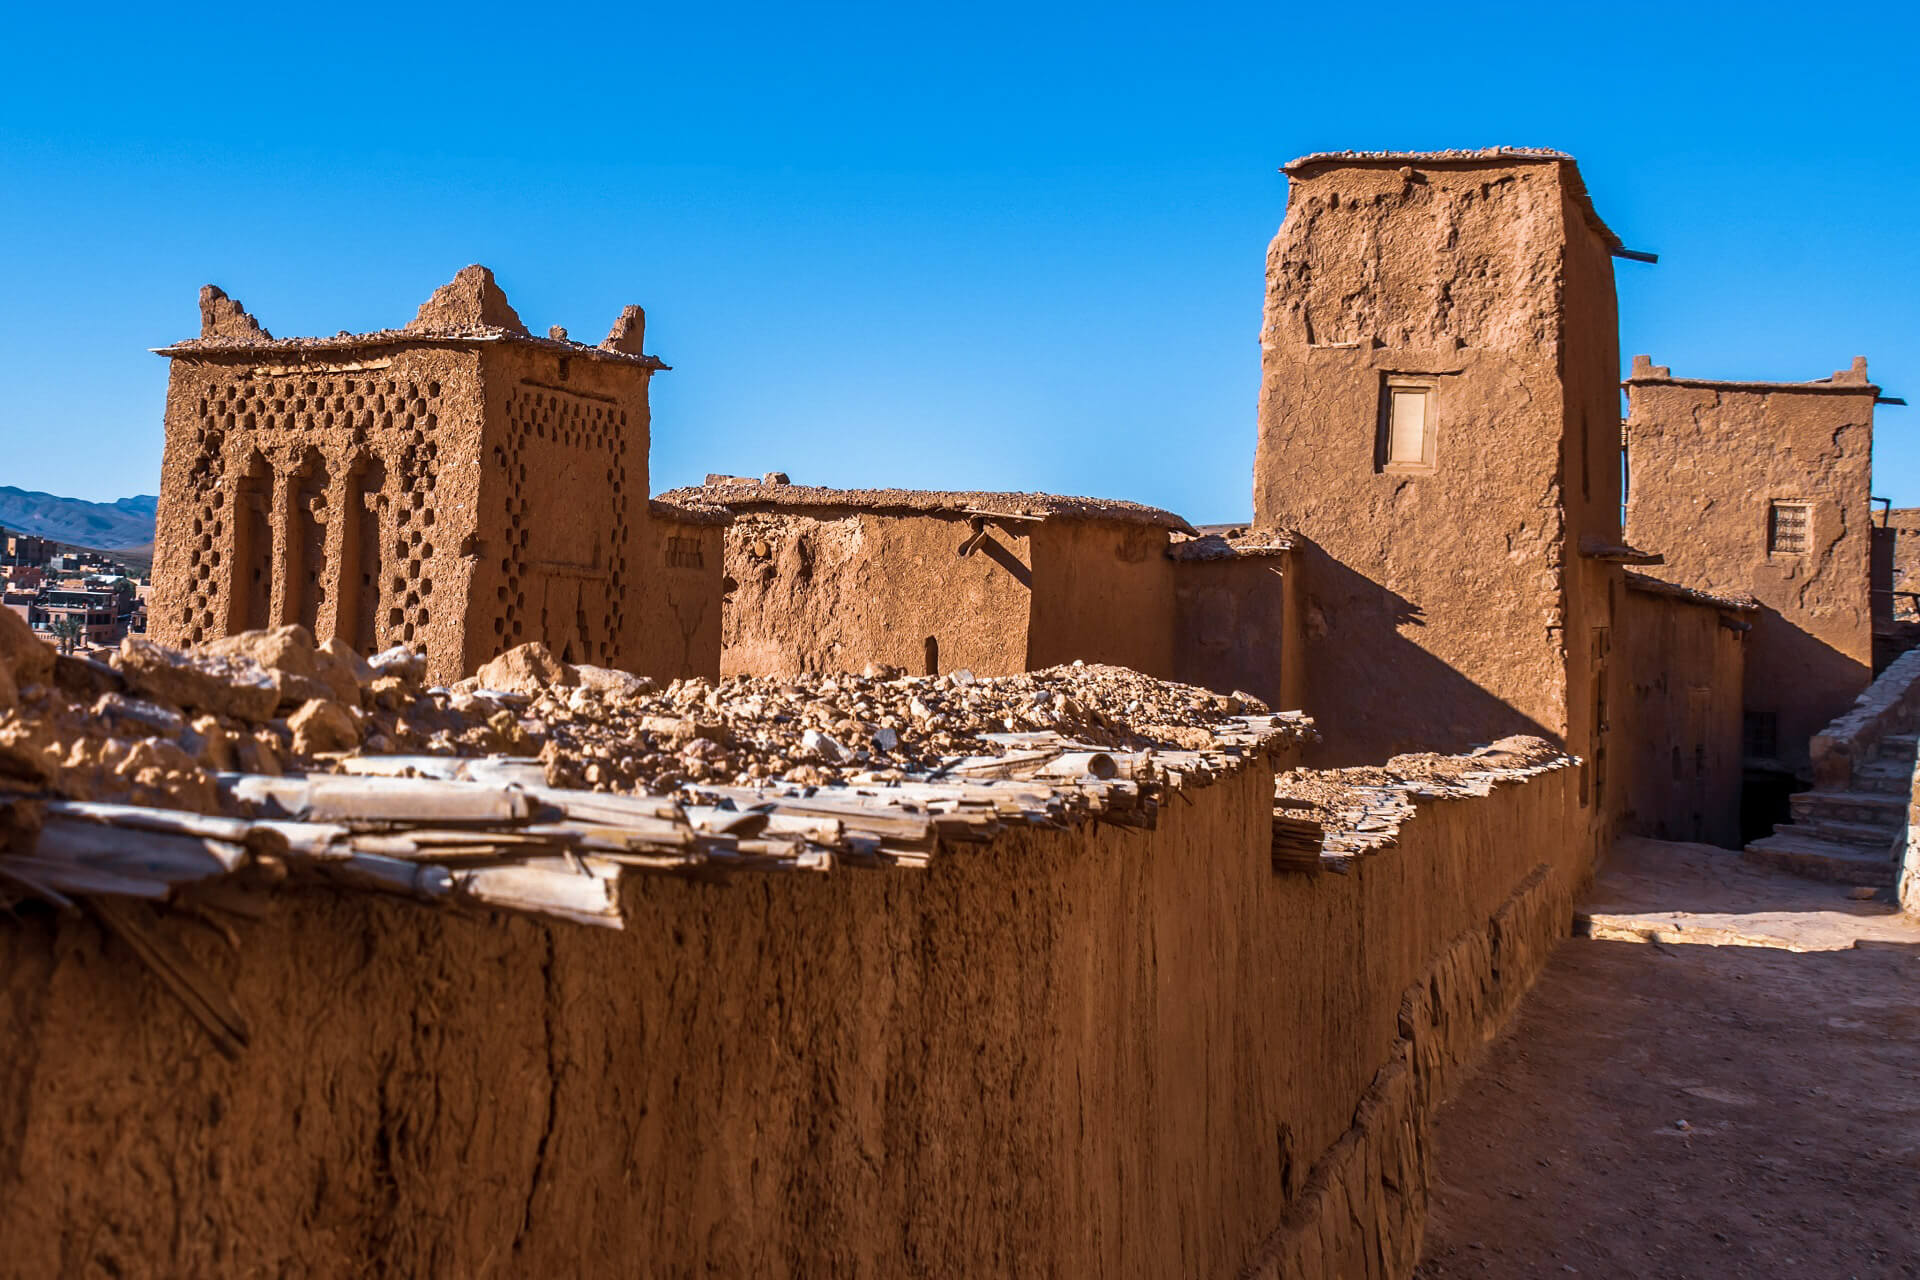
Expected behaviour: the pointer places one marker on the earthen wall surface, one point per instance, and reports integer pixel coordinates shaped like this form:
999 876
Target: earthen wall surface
564 554
1904 524
1593 587
1103 592
832 590
1706 461
1680 716
1447 604
836 588
688 553
1076 1053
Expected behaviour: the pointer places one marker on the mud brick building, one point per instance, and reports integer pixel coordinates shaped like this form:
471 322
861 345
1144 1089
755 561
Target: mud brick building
930 582
1764 488
459 485
1439 422
1898 539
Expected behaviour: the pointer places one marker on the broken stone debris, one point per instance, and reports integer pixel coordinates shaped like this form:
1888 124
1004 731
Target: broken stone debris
266 727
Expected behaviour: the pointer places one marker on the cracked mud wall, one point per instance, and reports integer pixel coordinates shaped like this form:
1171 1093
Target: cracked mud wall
1707 461
1083 1052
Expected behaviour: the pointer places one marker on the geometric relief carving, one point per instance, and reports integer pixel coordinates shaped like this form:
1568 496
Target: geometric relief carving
592 434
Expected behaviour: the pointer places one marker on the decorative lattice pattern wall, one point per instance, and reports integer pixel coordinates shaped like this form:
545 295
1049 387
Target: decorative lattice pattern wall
313 428
584 438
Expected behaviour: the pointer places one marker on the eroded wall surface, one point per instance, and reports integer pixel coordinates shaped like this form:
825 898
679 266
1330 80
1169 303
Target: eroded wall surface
835 590
1681 705
1708 463
1084 1052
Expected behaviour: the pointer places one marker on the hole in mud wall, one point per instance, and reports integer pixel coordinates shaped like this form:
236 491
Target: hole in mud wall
933 656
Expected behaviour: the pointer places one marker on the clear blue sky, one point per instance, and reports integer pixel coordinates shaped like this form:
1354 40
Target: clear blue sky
983 246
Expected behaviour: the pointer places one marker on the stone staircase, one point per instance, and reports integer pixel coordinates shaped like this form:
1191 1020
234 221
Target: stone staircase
1852 827
1850 835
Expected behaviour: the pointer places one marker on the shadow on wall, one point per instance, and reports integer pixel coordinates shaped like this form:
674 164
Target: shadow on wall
1796 685
1372 691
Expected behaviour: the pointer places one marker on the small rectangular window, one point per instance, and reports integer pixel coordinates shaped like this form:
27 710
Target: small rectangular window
1760 734
1408 416
1789 528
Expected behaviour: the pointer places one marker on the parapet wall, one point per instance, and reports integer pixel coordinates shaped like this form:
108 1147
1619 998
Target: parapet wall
1094 1051
1889 705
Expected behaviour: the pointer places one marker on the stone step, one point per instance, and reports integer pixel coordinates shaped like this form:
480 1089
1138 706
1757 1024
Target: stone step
1899 746
1874 837
1885 777
1787 850
1873 808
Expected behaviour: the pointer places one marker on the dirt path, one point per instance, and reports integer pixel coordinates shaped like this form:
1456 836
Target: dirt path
1681 1110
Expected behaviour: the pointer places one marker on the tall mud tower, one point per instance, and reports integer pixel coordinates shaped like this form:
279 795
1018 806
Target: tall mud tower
458 485
1440 419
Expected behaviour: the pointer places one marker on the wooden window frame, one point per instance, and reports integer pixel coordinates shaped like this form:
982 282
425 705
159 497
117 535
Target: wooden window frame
1774 507
1383 460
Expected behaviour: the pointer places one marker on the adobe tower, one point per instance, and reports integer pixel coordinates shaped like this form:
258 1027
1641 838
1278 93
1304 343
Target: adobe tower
1439 417
459 485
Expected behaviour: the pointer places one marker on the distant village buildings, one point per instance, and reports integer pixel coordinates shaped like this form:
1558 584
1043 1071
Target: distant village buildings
74 599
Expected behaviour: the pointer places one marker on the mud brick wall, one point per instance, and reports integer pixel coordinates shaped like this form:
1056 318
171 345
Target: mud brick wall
836 588
832 590
311 492
1083 1052
458 486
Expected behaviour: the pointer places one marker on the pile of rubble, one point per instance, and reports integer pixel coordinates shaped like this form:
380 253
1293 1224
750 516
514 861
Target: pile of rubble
1323 819
155 725
536 783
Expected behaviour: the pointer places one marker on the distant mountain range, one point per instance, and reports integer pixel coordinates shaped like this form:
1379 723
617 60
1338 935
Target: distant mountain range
126 525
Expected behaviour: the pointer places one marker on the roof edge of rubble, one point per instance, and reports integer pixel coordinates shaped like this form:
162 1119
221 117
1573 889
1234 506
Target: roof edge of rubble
757 495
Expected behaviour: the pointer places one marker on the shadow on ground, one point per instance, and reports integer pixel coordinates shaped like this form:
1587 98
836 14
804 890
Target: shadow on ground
1665 1109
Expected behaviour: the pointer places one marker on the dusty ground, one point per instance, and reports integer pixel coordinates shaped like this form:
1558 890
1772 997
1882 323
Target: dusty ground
1681 1110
